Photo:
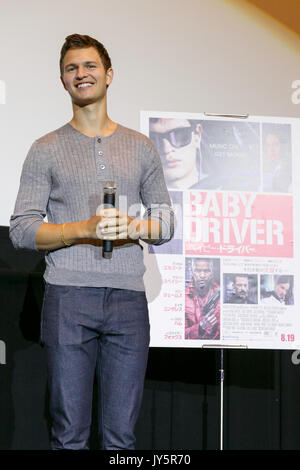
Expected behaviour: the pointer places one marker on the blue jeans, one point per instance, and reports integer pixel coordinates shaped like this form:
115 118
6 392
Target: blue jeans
87 331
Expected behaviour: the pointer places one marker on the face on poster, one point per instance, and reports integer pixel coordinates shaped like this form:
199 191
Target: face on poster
233 185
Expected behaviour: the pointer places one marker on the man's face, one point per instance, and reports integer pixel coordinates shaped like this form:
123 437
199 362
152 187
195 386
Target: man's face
241 287
273 146
177 145
282 289
202 274
85 77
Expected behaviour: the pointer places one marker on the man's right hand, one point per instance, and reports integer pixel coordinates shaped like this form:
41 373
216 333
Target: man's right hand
53 236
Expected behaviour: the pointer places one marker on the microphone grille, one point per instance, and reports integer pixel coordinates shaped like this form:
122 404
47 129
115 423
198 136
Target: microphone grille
110 187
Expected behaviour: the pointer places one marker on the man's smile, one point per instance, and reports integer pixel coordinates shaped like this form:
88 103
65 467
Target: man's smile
84 85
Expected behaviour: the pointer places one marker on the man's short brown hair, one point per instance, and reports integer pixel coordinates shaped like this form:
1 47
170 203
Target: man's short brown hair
79 41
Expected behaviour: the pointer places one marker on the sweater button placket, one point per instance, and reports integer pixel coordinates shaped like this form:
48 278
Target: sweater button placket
99 158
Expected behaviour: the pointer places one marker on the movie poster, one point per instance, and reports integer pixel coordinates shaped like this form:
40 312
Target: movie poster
229 275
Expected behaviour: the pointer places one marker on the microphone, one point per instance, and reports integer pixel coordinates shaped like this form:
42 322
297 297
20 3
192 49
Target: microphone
109 202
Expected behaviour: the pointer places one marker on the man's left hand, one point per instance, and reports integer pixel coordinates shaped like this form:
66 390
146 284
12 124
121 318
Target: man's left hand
117 225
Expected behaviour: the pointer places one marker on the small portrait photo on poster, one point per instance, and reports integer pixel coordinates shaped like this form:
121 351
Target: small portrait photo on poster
240 288
277 158
202 298
276 290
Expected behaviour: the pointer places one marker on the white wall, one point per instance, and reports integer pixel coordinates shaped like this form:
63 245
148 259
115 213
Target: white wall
168 55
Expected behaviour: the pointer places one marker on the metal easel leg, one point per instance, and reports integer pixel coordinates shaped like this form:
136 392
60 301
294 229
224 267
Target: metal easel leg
221 400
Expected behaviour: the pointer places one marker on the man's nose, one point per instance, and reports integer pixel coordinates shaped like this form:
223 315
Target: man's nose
81 72
167 147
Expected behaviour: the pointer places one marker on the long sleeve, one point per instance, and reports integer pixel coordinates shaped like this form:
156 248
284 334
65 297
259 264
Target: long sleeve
63 178
32 199
155 196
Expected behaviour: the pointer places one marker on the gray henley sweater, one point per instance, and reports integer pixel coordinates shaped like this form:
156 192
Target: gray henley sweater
63 177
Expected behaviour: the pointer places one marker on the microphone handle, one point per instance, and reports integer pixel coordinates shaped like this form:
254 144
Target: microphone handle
109 202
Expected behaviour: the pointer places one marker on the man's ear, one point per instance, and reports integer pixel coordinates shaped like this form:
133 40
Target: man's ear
62 80
109 76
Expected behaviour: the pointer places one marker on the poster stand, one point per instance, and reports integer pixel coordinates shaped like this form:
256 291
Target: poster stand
218 346
222 375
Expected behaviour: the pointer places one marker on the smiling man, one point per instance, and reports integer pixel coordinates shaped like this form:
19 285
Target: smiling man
95 314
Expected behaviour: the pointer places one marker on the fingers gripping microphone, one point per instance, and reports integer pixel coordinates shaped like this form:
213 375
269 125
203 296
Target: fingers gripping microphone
109 202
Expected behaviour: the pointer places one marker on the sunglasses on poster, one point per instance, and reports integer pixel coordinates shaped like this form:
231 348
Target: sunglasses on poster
178 137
